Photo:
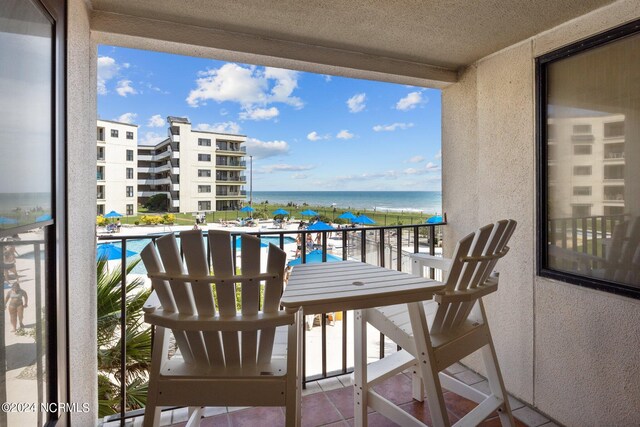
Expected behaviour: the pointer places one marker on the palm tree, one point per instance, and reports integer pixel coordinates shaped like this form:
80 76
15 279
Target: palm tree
137 340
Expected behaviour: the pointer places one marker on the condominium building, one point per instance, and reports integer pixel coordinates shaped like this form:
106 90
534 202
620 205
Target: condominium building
586 165
116 173
198 171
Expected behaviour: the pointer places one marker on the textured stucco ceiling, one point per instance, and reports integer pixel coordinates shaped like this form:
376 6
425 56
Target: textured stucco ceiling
443 33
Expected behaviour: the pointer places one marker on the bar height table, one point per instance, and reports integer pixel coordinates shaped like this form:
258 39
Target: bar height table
349 285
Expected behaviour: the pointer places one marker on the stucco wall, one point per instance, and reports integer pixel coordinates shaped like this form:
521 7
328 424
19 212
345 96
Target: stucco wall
81 193
570 351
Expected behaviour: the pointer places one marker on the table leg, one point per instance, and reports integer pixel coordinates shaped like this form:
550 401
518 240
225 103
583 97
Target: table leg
360 388
429 373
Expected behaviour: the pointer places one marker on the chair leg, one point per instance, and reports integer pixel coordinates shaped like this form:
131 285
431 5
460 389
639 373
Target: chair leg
294 376
152 410
361 389
195 416
426 365
417 386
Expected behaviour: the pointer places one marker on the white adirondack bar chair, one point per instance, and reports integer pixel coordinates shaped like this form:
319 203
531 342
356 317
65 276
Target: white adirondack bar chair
435 334
227 357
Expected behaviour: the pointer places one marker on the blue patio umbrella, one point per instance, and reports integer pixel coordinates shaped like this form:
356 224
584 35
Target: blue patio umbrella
280 212
110 252
320 226
247 209
45 217
435 220
363 219
348 216
5 220
113 214
315 256
309 212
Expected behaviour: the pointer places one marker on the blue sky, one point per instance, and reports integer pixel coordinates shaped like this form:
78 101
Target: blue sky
306 131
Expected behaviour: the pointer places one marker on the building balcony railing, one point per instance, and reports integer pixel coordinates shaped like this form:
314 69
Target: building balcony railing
241 178
231 164
325 348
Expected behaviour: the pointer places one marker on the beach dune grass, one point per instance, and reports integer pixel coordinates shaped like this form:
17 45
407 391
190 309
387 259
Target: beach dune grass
265 211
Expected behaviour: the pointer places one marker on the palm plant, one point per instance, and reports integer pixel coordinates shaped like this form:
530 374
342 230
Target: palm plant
137 340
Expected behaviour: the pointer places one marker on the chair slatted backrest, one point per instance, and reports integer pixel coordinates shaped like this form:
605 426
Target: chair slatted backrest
232 349
474 258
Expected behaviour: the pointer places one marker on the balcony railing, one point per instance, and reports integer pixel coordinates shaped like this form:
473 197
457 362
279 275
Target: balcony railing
385 246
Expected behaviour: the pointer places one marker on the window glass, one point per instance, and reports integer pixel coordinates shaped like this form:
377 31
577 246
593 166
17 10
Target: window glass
129 135
130 155
592 163
114 133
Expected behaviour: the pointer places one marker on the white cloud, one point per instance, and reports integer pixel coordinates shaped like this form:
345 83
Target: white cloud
283 167
151 138
392 127
428 168
438 154
367 176
248 86
327 78
357 102
315 136
259 114
432 167
409 102
107 69
223 127
156 121
264 149
127 118
299 176
344 134
156 89
124 88
416 159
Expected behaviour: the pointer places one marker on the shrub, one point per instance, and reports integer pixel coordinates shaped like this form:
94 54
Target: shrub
340 221
169 218
152 219
260 215
324 218
101 221
136 222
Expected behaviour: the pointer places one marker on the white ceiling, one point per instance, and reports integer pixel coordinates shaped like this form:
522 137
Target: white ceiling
442 34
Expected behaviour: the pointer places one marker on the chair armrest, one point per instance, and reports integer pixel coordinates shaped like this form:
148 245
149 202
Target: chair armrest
424 260
152 303
236 323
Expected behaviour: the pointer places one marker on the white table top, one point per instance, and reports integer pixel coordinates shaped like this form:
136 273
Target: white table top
351 285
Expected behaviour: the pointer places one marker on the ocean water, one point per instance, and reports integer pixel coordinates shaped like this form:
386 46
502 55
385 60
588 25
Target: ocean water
385 201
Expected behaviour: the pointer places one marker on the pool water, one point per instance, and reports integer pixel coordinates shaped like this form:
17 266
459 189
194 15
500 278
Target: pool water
138 245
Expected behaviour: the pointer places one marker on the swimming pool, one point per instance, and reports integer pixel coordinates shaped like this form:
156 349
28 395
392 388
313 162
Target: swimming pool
138 244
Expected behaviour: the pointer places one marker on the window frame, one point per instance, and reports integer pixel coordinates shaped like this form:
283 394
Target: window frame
542 181
129 135
114 133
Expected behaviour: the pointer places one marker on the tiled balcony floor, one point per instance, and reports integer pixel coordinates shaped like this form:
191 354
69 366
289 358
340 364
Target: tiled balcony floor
330 403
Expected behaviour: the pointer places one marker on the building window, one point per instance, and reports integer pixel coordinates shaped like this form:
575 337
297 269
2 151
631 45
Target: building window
100 173
204 189
581 129
129 191
100 153
582 191
580 150
100 210
129 135
129 209
204 205
129 155
100 134
204 157
584 93
114 133
204 173
129 173
614 129
581 170
100 192
204 142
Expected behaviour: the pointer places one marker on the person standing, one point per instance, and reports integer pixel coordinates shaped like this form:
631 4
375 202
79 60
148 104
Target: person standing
16 301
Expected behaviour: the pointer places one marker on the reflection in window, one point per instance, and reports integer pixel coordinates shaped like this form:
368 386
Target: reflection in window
592 211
